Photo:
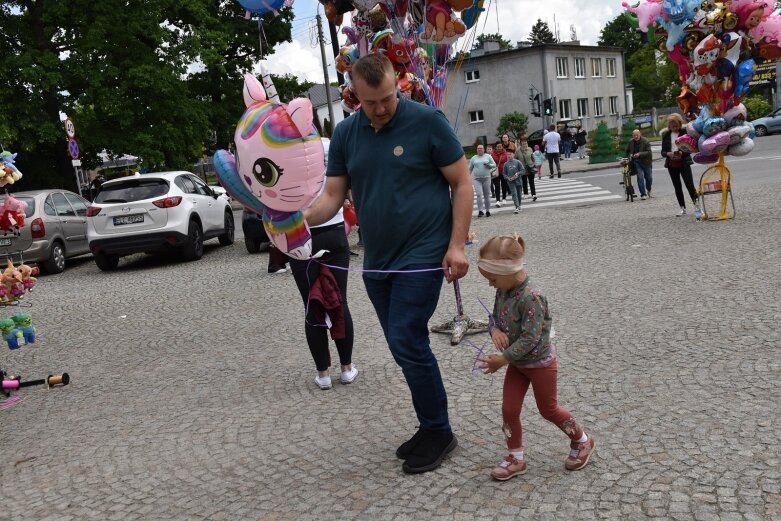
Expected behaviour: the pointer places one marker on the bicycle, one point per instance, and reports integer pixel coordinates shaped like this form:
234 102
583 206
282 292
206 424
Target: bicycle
627 171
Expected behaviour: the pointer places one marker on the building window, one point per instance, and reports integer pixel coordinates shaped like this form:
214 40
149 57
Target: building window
472 76
580 67
598 107
476 116
614 104
596 67
611 67
562 68
582 107
564 109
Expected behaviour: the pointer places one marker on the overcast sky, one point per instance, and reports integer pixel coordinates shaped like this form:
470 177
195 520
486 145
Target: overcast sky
515 19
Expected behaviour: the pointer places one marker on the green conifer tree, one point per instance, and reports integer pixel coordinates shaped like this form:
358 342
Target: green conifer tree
603 148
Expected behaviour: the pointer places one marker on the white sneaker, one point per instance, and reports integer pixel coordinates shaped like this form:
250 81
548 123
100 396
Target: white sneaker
323 383
498 204
517 210
649 193
682 212
349 377
642 198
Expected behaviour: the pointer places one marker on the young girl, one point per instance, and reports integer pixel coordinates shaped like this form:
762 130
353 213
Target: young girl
521 329
538 157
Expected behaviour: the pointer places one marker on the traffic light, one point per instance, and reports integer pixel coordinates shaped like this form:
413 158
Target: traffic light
535 103
547 107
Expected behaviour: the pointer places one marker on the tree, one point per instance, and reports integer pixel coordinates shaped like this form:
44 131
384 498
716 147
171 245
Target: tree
619 32
496 37
654 78
541 33
513 124
603 148
757 106
155 79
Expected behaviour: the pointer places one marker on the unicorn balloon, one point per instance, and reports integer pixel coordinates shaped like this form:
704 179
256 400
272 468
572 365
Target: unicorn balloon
279 166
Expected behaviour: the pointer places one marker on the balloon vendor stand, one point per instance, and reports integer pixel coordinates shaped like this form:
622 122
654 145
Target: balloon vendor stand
16 281
717 180
461 325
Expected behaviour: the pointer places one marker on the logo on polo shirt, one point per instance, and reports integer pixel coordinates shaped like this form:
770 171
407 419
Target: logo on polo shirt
398 151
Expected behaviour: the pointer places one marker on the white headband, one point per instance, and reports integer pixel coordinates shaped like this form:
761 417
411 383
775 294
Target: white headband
501 266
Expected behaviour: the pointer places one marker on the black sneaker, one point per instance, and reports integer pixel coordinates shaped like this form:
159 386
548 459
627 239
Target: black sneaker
429 452
405 449
488 214
480 214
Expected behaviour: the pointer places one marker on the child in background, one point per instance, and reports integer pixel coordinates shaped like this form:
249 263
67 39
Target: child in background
538 157
521 330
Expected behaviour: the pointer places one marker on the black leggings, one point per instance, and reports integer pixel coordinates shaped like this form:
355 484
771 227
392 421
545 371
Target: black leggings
528 179
496 182
684 172
334 239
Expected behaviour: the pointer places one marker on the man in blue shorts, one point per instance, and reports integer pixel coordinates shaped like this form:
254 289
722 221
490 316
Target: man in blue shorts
403 161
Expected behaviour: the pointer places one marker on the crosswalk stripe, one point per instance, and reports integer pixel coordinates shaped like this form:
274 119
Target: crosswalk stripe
556 192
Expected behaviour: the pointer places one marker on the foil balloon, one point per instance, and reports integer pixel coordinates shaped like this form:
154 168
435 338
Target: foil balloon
279 166
441 26
686 144
743 74
647 12
742 148
472 13
738 133
265 6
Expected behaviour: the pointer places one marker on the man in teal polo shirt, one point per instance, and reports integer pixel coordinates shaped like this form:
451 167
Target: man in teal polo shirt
403 162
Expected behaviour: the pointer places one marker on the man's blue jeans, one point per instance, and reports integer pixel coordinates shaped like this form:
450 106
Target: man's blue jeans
644 178
404 303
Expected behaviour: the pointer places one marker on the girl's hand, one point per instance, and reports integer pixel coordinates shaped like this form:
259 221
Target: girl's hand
492 363
500 339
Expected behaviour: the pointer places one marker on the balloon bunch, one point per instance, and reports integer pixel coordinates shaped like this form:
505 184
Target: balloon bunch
714 44
416 35
278 168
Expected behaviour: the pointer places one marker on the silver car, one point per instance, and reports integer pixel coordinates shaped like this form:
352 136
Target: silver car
768 124
55 229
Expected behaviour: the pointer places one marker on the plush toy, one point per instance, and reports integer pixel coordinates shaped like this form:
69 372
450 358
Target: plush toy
9 174
12 214
11 280
26 272
24 323
14 337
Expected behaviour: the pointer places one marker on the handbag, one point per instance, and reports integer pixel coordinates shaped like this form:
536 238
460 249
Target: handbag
494 173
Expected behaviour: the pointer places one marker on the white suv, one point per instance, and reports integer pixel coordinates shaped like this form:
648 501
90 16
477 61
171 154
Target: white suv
156 212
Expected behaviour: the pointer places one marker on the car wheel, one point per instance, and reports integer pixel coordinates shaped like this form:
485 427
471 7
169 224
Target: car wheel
56 261
106 262
193 250
226 239
760 130
253 245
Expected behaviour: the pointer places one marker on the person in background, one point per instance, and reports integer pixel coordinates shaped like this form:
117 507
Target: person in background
566 143
580 141
539 158
480 167
639 151
513 172
500 188
551 142
677 163
525 155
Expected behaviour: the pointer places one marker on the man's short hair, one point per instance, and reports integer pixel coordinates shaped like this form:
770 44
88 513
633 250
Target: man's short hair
372 68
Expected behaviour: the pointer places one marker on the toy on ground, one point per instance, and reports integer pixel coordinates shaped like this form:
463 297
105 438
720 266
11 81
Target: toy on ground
24 323
14 336
461 325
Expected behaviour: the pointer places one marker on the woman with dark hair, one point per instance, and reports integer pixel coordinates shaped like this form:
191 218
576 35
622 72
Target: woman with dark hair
677 162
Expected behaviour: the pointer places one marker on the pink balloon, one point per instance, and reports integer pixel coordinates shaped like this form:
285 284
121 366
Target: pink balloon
686 143
279 155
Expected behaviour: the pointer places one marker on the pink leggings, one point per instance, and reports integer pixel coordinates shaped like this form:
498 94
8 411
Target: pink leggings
543 379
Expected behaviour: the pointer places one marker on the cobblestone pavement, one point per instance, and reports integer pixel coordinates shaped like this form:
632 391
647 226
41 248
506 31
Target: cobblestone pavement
192 395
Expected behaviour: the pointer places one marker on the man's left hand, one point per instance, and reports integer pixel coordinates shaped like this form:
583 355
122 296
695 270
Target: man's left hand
455 264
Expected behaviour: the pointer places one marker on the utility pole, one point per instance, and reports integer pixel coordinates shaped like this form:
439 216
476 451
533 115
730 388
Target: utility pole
335 48
325 70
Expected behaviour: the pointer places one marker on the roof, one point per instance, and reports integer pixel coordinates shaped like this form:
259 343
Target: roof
316 94
536 49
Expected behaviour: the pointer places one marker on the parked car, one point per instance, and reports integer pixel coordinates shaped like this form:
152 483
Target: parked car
55 229
156 212
768 124
535 138
255 236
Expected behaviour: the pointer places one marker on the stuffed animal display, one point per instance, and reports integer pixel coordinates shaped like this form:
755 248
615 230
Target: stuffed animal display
12 214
